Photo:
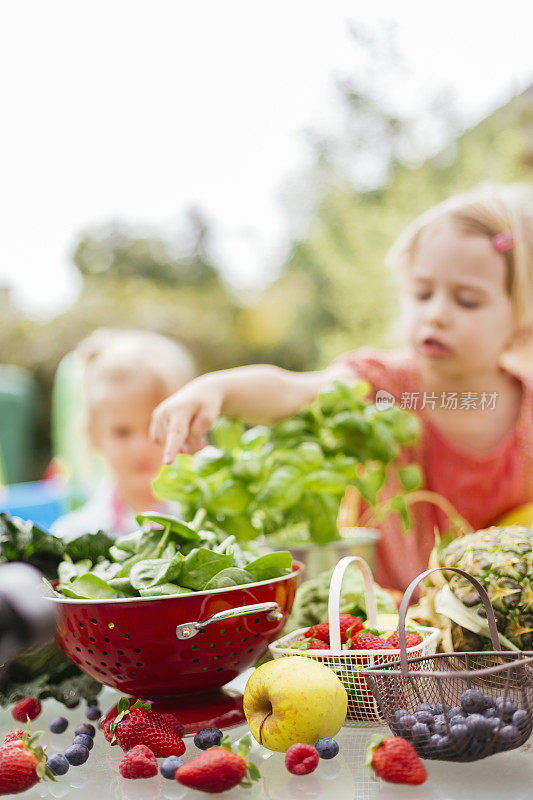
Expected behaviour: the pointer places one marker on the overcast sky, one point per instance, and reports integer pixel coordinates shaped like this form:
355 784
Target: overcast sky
134 111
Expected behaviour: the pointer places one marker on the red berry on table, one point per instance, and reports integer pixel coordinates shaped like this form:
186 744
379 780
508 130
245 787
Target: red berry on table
411 639
139 762
301 759
144 726
22 765
395 760
215 770
173 723
27 707
368 641
13 735
347 623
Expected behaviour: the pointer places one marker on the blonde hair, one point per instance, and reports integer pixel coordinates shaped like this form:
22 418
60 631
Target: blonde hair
486 211
111 356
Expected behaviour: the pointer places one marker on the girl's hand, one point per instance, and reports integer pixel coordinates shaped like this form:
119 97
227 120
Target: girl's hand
182 420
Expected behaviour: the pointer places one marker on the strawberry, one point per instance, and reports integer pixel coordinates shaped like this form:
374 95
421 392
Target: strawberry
138 724
12 736
395 760
139 762
368 641
219 768
301 759
173 723
317 644
22 764
347 623
411 639
27 707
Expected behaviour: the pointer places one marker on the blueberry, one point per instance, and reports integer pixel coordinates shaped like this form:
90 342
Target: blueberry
85 728
93 712
489 713
488 701
473 701
406 723
420 732
456 711
520 719
435 743
506 708
424 707
327 748
82 738
440 725
92 702
424 716
58 725
475 747
442 708
401 712
169 766
58 764
76 754
479 726
495 723
459 734
507 737
458 720
207 737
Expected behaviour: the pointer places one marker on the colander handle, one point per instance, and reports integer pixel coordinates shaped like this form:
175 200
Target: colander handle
335 596
491 620
189 629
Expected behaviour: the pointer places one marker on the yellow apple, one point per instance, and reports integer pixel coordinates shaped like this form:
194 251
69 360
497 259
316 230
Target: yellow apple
294 699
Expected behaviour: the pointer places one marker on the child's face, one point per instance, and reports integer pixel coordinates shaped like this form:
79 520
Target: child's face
458 313
119 430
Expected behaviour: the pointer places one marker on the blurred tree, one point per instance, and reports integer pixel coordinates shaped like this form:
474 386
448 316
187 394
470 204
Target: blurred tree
118 252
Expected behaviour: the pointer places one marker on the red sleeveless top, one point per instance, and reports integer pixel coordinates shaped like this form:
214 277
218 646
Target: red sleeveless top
481 486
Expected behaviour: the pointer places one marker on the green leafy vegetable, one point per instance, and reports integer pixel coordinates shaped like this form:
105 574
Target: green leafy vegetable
293 476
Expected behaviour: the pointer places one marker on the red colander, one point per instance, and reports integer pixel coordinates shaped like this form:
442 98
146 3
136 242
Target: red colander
178 651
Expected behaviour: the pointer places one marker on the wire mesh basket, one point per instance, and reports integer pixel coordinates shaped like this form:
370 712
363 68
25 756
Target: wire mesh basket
348 664
456 706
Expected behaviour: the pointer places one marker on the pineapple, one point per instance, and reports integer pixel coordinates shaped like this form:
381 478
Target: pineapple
502 559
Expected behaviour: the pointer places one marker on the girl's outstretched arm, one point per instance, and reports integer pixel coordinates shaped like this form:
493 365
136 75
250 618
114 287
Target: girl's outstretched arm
258 393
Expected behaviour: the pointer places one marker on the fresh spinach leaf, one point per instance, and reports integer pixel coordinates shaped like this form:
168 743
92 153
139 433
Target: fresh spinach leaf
200 565
271 565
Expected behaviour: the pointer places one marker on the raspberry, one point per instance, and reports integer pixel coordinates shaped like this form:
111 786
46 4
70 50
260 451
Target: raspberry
27 707
139 762
301 759
411 639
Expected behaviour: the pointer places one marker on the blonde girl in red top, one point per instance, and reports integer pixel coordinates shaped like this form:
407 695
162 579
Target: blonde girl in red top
465 272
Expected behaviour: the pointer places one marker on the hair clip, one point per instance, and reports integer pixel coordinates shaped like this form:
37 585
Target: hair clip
503 241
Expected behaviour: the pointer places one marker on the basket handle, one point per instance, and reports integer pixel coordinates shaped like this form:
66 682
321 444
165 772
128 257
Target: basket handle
335 596
491 620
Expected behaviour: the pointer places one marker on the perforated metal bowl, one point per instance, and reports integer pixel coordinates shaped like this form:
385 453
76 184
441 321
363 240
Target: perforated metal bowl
168 647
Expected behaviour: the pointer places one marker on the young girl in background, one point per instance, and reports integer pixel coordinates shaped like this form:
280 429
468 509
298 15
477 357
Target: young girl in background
126 374
466 282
